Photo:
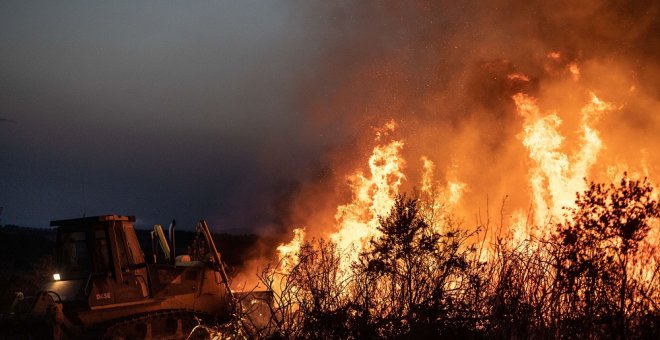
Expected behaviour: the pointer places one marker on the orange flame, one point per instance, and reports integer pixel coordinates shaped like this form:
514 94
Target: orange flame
373 196
554 175
288 252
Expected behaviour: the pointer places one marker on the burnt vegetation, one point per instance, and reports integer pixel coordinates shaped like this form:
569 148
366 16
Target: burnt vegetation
594 276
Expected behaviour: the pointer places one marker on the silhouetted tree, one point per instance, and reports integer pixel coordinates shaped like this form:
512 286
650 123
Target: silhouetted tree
420 273
599 238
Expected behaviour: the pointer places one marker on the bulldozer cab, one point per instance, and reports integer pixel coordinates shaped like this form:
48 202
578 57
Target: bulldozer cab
103 256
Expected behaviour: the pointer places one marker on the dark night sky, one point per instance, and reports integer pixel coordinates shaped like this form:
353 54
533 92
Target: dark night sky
159 109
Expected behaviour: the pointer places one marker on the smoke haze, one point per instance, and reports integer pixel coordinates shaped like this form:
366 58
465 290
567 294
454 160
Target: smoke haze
251 114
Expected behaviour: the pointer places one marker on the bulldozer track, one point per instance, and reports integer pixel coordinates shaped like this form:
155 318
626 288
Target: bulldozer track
169 324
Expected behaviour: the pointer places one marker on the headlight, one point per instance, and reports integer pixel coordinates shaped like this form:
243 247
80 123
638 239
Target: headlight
56 277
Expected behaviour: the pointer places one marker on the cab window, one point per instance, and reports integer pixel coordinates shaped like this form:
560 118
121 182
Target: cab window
73 255
135 255
102 257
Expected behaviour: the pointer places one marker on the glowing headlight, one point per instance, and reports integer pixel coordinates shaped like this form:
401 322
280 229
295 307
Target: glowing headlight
56 277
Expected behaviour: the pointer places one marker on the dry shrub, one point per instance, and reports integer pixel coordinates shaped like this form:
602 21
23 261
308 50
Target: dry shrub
585 280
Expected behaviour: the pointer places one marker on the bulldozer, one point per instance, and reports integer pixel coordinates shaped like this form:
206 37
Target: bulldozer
104 287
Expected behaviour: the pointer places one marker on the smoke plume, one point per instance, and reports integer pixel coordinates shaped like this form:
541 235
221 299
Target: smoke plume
446 72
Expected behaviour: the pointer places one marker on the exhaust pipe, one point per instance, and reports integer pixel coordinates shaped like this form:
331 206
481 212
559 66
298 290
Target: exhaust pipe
172 242
153 247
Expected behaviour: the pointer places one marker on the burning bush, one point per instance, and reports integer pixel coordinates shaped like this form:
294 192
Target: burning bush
417 279
599 290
